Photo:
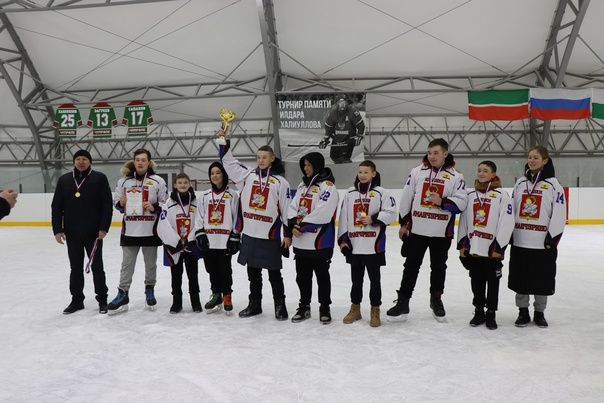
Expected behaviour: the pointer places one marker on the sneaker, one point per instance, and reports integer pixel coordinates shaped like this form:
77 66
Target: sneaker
438 309
523 318
478 318
490 319
73 306
324 314
302 313
227 303
102 308
119 303
539 319
150 297
214 303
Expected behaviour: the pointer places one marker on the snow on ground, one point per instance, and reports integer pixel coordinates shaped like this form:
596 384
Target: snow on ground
155 356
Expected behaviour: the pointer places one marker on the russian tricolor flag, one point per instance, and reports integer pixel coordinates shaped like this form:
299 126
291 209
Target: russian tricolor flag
557 103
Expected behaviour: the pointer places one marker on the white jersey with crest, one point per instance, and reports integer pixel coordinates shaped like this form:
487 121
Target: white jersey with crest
366 239
177 223
263 200
217 215
428 219
315 208
154 190
487 224
539 211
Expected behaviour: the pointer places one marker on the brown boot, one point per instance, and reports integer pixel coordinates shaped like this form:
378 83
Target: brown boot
354 314
375 317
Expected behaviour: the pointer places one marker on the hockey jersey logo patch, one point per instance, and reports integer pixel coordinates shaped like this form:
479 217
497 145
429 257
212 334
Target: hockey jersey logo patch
216 214
481 213
305 207
427 191
530 206
183 226
259 198
360 210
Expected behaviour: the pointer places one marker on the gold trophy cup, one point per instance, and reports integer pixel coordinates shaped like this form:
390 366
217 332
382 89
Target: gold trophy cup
227 116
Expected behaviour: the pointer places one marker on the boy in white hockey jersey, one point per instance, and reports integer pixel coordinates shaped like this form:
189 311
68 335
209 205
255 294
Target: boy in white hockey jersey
176 230
540 215
433 194
366 212
216 237
484 231
311 218
139 196
263 202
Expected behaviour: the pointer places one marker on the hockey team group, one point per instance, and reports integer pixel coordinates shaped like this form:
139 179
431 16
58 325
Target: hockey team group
260 220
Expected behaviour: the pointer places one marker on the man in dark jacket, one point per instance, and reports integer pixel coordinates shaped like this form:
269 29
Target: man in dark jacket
82 208
8 199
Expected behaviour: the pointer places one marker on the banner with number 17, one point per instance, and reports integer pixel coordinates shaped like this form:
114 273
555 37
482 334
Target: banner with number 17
137 115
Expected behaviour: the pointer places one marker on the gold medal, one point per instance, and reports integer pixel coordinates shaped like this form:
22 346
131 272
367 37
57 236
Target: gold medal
363 214
77 194
187 222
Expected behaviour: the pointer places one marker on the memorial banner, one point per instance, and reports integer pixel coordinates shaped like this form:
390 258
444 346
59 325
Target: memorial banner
332 124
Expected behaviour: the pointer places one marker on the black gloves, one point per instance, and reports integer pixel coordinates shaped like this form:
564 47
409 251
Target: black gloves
202 241
233 243
325 142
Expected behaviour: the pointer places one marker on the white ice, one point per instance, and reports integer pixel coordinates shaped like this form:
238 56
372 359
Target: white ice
144 356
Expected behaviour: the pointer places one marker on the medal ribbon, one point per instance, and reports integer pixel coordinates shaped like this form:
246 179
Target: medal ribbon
268 174
481 201
312 182
81 183
529 192
215 205
361 195
180 203
430 179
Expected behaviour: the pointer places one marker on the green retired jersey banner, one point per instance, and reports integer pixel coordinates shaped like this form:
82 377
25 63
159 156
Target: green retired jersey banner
137 115
102 119
67 120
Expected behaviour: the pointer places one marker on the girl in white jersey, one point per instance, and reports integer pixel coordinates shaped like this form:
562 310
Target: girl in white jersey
366 212
540 215
176 229
484 231
263 203
312 220
216 237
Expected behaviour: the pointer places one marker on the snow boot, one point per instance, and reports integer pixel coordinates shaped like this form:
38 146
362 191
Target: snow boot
478 318
523 318
254 307
353 315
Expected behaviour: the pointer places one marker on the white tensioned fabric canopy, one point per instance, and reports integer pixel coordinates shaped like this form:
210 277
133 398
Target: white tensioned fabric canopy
188 59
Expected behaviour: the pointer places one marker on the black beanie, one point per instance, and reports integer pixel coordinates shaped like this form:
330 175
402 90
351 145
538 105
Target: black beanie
82 153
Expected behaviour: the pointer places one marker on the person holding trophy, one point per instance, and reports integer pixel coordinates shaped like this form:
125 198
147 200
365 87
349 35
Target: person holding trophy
264 201
138 195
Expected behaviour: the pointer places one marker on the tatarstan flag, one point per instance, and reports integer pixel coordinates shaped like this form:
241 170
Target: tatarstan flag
498 104
597 104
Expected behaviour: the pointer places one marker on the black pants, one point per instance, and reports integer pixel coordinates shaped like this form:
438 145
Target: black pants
254 275
75 249
439 249
304 270
218 266
484 277
188 260
357 271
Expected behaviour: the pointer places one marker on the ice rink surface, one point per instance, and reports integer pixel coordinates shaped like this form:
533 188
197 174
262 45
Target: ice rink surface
143 356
